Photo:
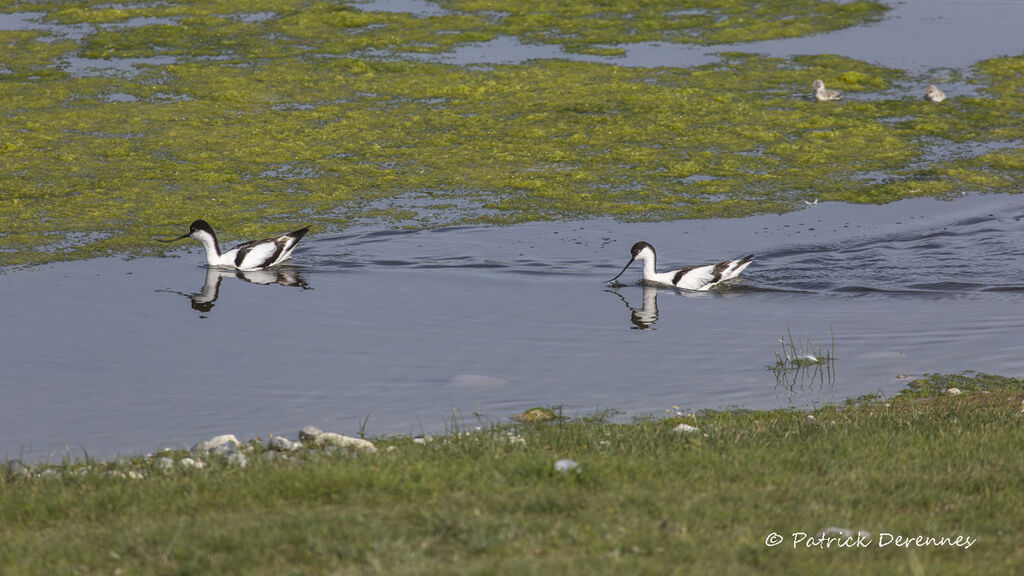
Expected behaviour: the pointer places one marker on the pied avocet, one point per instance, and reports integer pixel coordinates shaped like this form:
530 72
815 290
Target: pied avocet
699 277
255 255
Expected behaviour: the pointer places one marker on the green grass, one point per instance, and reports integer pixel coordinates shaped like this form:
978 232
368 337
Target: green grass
646 499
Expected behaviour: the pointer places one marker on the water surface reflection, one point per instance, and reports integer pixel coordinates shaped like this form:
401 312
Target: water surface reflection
204 300
643 317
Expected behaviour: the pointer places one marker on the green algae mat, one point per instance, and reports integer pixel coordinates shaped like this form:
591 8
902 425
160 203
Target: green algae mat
122 122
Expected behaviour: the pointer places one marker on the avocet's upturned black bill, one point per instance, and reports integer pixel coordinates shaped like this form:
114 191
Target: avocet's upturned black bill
693 278
255 255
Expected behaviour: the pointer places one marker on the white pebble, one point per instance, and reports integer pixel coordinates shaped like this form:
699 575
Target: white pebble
309 433
342 441
18 468
215 443
191 463
565 466
226 449
282 444
274 456
515 439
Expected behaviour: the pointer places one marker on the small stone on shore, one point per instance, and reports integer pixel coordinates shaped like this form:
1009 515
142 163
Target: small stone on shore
342 441
17 468
282 444
565 466
216 444
513 438
317 437
537 414
125 473
275 456
227 449
309 434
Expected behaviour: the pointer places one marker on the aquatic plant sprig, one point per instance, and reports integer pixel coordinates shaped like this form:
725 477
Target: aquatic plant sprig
802 364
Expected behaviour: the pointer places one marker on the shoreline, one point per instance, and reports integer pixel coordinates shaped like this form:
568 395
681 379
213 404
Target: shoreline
848 489
227 448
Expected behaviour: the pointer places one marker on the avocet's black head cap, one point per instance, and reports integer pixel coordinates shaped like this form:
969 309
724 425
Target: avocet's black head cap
638 247
195 227
200 225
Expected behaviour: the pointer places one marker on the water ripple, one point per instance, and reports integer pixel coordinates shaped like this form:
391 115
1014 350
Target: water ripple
972 254
919 247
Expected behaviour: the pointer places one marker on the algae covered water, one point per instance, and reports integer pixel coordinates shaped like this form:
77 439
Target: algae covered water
397 331
124 121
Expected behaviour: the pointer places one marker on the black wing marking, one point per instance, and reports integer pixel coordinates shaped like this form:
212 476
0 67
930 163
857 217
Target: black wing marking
720 268
280 243
244 249
682 272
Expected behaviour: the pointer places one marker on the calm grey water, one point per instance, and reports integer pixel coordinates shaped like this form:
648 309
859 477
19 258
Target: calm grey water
404 328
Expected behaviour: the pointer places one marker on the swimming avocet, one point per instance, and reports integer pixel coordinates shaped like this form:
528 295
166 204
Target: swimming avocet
823 94
255 255
692 278
934 94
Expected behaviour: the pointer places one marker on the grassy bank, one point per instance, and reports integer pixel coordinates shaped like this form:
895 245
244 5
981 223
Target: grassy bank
645 498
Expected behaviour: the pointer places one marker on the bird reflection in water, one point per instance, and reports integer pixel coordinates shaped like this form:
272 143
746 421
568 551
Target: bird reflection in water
642 318
203 301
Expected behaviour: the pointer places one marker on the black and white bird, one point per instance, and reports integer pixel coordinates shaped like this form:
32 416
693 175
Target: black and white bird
822 94
255 255
933 94
699 277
